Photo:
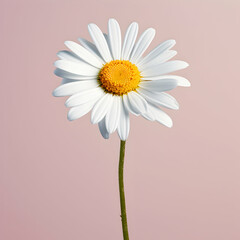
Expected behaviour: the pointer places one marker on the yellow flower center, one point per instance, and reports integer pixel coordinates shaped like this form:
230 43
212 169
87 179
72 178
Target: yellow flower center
119 77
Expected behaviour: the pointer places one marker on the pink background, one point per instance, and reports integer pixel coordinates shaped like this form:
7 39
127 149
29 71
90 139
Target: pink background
58 179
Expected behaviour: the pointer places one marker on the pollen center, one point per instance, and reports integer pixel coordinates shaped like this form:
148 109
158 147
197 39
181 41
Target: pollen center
119 77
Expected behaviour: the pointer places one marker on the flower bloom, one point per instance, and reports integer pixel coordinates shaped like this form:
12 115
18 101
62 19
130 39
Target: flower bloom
112 78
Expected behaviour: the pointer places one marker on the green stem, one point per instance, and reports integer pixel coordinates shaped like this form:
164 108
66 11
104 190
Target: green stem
121 191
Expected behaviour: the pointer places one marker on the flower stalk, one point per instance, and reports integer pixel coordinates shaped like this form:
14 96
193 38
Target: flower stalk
121 191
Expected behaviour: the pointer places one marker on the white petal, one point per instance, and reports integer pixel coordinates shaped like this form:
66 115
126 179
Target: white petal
115 38
66 80
129 40
181 81
80 68
66 55
167 55
159 85
79 111
149 115
74 87
92 48
63 74
103 129
137 103
100 41
108 42
127 105
112 116
142 44
161 48
84 96
101 108
84 54
162 99
164 68
161 116
124 123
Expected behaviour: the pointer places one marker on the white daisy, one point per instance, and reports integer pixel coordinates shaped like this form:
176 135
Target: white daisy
111 78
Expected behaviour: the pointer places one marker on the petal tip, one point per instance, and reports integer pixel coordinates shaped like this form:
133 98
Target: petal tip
54 93
69 117
55 64
169 124
112 20
68 43
106 136
134 24
67 103
92 120
91 25
186 84
59 53
152 30
58 63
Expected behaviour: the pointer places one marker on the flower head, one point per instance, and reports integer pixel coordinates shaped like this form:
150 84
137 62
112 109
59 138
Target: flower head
112 79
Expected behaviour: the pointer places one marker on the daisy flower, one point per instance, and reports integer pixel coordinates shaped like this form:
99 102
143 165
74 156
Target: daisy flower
111 78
